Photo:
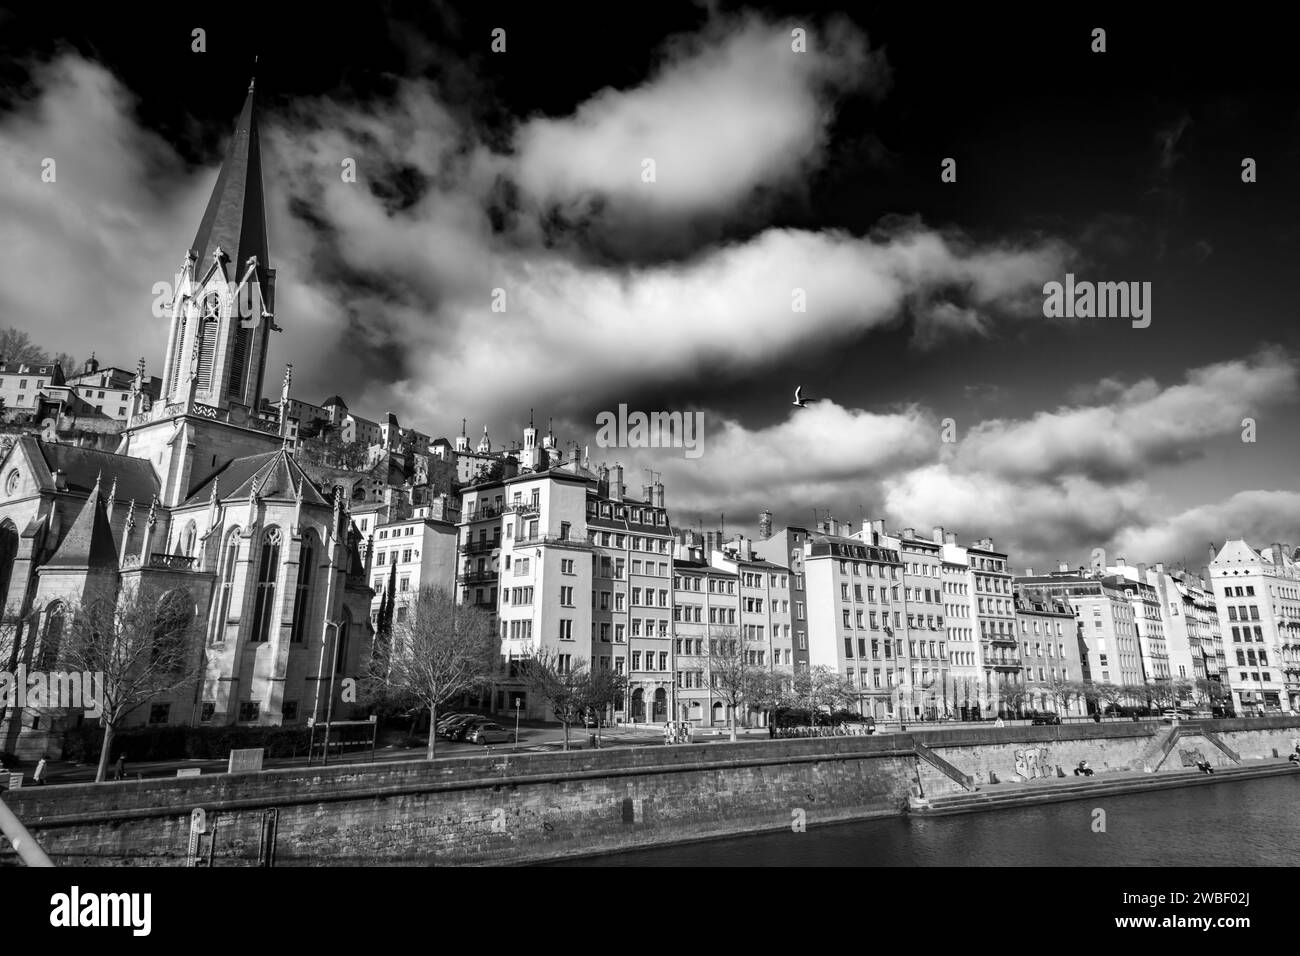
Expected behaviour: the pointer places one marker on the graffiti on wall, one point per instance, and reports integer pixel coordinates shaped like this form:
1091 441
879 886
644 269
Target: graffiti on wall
1032 762
1191 758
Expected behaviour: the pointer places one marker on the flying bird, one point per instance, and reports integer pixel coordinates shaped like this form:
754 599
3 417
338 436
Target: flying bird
799 400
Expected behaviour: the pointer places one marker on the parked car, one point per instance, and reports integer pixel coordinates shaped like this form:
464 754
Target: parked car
488 733
444 720
1045 718
450 728
462 730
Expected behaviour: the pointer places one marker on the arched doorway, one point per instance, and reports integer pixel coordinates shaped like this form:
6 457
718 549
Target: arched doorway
660 705
719 713
638 706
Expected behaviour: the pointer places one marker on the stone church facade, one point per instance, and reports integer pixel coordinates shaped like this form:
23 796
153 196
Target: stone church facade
201 503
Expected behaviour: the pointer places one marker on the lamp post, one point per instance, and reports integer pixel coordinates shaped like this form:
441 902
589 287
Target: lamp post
517 723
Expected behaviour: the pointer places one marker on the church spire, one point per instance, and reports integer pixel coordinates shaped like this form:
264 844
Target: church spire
235 219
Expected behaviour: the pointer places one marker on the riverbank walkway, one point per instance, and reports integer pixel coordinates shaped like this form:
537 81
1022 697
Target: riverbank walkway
1020 793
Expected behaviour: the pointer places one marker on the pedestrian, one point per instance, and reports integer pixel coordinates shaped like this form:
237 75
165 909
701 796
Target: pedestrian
120 772
668 732
38 776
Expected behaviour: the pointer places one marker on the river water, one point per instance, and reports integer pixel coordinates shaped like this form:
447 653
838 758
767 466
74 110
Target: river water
1241 823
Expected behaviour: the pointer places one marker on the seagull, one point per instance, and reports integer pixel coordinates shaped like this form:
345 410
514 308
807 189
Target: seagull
800 401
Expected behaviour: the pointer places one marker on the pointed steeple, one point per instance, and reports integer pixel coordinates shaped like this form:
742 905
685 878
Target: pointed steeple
235 220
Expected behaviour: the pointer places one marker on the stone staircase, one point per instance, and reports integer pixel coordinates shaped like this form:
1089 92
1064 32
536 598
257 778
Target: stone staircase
943 766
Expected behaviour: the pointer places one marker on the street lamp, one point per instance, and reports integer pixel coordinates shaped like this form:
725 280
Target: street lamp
517 723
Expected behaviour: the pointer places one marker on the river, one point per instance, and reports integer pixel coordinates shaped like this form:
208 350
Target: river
1241 823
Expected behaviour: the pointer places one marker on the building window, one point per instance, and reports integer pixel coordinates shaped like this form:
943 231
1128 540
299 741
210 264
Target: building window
248 711
227 585
207 712
302 590
159 713
268 570
289 710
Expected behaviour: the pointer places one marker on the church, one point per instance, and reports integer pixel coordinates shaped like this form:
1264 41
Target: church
201 502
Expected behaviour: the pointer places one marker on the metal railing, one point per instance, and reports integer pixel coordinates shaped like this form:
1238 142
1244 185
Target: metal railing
175 562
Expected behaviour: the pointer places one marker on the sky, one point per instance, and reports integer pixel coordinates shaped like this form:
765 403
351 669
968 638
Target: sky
778 174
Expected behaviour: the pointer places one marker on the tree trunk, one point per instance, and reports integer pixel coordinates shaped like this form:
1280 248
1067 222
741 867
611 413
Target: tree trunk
733 723
433 731
566 734
104 750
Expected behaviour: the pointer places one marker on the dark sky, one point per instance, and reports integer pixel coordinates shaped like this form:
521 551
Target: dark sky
1127 162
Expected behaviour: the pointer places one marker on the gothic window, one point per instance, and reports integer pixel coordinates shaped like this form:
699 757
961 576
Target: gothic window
267 570
51 638
8 552
341 656
228 562
238 361
178 356
302 591
207 352
188 539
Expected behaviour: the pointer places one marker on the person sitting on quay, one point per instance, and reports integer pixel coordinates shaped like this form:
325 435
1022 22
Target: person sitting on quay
1203 765
1083 769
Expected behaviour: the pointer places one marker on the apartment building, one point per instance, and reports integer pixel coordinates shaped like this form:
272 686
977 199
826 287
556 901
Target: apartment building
1049 651
966 672
1191 624
765 624
706 608
1106 620
993 603
925 689
856 626
1257 595
411 553
1148 619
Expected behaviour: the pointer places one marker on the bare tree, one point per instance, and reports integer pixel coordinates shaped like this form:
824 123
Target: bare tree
559 680
438 653
1014 694
142 644
17 346
601 689
1111 695
732 678
1062 691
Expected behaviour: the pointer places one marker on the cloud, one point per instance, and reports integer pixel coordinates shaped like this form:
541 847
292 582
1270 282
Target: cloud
728 110
1259 517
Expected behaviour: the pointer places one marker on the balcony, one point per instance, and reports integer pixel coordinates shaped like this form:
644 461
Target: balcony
523 508
173 562
479 547
479 577
482 513
571 541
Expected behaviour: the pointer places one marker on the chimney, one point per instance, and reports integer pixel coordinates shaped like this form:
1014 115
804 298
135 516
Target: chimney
1029 572
1063 567
1142 573
909 532
950 537
659 494
616 482
1278 551
878 525
645 493
1119 562
821 528
938 534
1160 568
764 525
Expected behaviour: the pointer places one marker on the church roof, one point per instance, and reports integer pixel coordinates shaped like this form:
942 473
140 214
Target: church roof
276 473
89 542
82 466
235 218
